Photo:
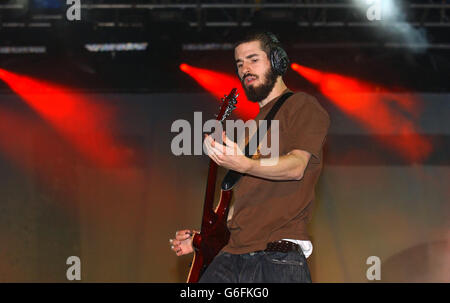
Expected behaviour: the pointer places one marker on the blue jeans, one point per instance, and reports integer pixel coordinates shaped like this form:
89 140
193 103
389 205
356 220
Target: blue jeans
258 267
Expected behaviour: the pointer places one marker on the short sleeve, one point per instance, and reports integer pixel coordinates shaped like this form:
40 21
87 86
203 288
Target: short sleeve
308 127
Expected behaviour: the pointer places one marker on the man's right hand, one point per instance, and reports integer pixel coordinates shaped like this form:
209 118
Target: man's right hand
182 244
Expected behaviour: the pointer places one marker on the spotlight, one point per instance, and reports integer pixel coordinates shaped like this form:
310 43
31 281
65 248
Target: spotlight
184 67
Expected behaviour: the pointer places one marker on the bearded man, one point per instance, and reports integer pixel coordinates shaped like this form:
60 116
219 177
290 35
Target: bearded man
273 204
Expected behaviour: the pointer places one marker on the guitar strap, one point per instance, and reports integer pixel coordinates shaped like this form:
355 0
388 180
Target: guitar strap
232 177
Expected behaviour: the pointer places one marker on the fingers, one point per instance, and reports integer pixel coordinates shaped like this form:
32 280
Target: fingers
180 249
213 153
232 147
217 152
183 234
211 142
178 245
227 141
180 252
174 242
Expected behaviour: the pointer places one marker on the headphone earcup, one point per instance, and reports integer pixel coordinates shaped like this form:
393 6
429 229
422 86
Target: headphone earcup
278 57
279 60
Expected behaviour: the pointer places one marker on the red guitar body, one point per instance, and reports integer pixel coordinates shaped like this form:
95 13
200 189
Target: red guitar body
214 234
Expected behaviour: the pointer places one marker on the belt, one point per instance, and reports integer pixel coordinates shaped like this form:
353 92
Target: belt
282 246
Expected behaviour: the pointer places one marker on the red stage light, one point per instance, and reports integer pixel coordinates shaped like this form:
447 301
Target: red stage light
184 67
83 122
371 105
220 84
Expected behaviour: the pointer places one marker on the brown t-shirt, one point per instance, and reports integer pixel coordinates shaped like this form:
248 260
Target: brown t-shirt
267 210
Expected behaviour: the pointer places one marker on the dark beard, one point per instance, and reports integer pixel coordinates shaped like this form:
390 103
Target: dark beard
259 93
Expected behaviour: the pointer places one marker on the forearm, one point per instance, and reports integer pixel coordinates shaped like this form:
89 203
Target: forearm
288 167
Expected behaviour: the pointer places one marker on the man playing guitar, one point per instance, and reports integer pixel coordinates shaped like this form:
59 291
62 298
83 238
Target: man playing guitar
268 241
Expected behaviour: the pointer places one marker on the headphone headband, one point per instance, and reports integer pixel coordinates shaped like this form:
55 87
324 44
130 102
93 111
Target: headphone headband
272 38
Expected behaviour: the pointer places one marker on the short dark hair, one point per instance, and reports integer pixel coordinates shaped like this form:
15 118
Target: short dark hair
267 40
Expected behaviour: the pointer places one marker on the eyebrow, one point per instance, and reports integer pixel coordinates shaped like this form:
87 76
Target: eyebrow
248 57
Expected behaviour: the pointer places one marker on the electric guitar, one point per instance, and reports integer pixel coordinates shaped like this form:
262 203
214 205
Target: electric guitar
214 234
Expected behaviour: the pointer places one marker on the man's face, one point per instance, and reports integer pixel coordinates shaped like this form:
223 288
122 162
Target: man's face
254 70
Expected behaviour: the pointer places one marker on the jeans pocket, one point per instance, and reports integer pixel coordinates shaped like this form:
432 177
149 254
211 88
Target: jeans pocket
289 258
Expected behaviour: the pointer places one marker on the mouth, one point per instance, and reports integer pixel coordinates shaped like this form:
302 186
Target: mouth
250 79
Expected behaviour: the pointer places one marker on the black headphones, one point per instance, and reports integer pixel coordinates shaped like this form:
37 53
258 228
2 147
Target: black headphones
278 57
279 60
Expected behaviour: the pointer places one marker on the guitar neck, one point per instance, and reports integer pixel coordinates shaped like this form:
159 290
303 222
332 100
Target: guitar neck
209 216
209 194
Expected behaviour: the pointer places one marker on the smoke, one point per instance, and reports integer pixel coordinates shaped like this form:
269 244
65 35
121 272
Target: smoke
392 22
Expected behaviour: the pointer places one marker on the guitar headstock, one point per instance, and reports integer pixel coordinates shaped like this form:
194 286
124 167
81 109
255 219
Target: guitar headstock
228 105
